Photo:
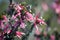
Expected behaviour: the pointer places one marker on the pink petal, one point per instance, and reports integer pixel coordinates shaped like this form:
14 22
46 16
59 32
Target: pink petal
19 34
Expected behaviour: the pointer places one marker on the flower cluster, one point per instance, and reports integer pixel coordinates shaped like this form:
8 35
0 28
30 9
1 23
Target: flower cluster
19 14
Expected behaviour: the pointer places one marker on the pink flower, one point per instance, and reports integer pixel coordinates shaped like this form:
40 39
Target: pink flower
22 25
52 37
19 34
39 21
29 16
45 6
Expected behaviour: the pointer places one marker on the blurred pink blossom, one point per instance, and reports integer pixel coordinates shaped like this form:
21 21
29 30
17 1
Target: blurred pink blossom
56 7
45 6
52 37
57 10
